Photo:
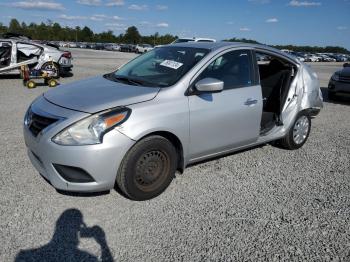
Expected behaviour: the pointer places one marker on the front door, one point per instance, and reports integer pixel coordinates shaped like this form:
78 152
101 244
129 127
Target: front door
231 118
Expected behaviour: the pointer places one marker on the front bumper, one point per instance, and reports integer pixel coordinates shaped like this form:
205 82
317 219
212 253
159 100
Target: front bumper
341 87
100 161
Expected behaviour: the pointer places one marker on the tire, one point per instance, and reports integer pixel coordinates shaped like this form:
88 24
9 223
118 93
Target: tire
31 84
52 65
148 168
52 82
298 133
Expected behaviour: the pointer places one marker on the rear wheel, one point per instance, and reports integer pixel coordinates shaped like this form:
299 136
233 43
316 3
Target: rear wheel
148 168
299 132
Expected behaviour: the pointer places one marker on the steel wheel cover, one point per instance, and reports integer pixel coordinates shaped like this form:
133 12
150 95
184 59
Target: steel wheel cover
151 170
301 130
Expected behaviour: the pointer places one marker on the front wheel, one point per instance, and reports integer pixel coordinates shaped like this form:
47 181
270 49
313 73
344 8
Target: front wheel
148 168
299 132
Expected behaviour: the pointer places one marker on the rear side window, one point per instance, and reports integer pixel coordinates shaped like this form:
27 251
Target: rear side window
233 68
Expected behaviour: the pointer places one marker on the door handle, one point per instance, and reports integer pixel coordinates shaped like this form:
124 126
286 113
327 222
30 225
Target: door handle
250 102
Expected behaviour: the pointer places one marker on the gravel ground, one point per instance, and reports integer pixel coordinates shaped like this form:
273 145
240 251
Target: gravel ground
260 204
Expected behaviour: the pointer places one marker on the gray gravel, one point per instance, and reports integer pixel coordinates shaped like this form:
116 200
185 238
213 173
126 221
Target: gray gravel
260 204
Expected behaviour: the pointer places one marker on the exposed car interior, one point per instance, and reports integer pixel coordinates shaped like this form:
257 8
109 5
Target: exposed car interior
276 76
5 54
26 52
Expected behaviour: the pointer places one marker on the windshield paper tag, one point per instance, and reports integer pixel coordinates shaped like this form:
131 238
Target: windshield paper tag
171 64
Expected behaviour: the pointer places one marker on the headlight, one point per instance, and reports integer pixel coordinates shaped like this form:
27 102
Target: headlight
335 77
91 130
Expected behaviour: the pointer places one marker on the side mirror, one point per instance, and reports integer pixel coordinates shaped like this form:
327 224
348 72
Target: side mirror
209 85
346 65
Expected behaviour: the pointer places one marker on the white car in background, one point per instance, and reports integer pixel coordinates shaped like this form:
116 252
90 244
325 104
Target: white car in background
15 52
143 48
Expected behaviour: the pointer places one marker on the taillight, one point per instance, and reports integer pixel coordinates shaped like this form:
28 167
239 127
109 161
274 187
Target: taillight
67 54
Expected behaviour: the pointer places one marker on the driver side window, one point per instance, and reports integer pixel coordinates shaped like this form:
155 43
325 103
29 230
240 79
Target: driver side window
234 68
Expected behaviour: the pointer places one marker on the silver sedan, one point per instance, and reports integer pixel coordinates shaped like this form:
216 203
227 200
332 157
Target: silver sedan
166 109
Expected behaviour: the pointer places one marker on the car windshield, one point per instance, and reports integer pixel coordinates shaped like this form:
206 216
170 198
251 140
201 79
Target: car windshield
160 67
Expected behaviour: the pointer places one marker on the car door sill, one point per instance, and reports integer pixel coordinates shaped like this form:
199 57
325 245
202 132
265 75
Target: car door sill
261 140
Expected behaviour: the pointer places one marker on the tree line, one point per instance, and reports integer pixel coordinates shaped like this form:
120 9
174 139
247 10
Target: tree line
53 31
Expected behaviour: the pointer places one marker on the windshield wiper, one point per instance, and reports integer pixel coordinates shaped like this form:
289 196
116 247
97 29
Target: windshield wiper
129 80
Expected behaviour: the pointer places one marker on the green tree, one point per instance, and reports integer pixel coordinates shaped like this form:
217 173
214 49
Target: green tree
132 35
15 27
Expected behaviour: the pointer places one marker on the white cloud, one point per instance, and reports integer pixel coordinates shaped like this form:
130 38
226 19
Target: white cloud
260 1
89 2
272 20
138 7
145 23
38 5
341 28
161 7
244 29
96 17
296 3
115 25
115 17
72 17
115 3
162 25
230 22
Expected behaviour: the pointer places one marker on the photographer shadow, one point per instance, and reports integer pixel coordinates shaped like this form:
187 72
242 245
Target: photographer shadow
70 227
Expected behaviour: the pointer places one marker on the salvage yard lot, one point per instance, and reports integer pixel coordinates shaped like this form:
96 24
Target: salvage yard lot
263 203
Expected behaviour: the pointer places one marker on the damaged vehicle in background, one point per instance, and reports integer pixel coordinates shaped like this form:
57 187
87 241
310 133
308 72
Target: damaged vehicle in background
15 52
166 109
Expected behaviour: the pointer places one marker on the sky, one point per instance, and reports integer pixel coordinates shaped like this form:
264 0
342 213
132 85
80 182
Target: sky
299 22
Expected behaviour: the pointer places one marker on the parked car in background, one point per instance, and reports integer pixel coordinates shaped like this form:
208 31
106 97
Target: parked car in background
128 48
72 45
339 82
91 46
81 45
112 47
100 46
173 106
143 48
15 52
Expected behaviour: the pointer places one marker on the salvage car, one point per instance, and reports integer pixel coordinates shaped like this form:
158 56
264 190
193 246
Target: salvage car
15 52
166 109
339 82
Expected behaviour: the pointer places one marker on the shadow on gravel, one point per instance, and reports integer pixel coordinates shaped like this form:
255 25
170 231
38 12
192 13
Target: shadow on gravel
70 227
341 99
10 77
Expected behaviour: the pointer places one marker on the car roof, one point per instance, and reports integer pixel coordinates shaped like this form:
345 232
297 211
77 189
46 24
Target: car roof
225 45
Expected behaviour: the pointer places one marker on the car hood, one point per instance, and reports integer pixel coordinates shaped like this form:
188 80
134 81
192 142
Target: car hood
98 93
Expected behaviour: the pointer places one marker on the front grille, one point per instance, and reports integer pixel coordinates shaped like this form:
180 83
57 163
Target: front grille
344 79
38 123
